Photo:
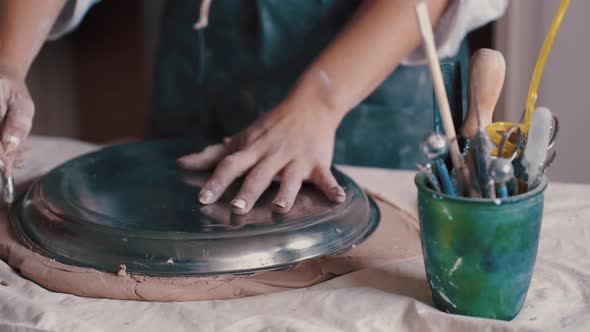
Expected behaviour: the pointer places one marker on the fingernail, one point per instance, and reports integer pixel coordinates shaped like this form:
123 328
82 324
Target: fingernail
10 144
205 196
238 203
280 203
339 194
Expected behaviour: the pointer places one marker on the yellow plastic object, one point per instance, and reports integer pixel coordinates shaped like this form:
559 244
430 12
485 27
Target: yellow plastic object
495 129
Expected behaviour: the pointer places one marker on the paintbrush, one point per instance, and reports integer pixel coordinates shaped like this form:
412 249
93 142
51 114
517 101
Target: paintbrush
425 28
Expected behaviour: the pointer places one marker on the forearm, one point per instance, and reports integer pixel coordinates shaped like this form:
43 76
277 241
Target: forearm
24 26
378 38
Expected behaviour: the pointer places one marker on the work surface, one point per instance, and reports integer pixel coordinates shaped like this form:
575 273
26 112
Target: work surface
394 297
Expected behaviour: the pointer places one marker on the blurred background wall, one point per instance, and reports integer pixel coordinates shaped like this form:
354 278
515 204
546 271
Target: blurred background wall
95 83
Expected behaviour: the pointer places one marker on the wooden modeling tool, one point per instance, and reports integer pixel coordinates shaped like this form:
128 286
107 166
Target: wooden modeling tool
441 95
488 69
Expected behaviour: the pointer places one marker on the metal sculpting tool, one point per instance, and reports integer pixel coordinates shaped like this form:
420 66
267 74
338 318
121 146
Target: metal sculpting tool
435 147
502 172
441 95
515 131
427 170
535 150
482 146
546 164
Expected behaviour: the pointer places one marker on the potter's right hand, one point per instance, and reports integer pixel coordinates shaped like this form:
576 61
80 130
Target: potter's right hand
16 116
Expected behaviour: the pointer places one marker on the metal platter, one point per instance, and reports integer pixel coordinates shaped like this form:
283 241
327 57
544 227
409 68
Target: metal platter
130 204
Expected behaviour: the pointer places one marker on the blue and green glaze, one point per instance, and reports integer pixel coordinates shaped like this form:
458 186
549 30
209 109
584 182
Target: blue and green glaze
479 254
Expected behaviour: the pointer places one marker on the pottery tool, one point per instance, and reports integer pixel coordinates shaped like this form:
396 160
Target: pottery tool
425 28
502 173
514 134
488 69
535 150
482 146
435 147
554 131
427 171
546 164
495 129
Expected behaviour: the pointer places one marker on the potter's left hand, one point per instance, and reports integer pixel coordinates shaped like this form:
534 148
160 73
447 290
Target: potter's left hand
291 142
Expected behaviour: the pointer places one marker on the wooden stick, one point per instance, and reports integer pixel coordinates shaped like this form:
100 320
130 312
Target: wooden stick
488 69
439 87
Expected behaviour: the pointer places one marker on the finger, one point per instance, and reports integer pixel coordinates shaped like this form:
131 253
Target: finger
205 159
291 180
322 177
19 118
229 169
255 184
194 180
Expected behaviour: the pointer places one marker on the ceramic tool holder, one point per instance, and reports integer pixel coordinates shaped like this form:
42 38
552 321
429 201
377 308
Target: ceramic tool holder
479 254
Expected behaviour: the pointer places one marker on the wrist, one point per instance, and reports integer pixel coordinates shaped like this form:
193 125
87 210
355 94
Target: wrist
12 70
314 109
316 94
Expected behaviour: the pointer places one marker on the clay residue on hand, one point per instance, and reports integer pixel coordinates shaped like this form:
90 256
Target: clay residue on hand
123 271
3 283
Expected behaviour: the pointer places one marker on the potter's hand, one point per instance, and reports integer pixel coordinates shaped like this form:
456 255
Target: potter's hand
296 144
16 115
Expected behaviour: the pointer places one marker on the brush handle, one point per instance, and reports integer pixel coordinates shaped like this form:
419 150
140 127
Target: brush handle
488 69
439 87
502 191
445 178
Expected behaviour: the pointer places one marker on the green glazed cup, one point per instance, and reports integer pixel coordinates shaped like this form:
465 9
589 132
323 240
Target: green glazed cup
479 254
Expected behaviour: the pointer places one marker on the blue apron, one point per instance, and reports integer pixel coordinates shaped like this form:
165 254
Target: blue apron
214 82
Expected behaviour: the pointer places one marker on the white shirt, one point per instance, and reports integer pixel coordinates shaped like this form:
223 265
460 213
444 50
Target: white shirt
460 18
